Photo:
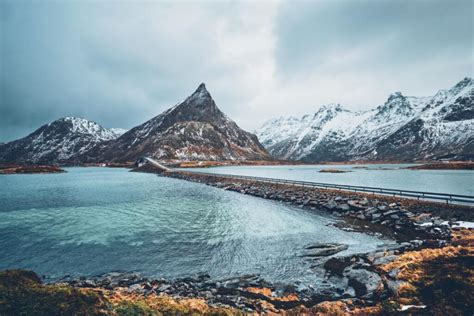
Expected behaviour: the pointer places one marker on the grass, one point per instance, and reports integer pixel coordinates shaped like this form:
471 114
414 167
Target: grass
442 279
22 293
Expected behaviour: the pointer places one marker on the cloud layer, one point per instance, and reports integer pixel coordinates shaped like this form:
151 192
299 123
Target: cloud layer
120 64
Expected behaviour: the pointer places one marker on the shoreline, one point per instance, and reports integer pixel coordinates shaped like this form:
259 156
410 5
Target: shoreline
391 279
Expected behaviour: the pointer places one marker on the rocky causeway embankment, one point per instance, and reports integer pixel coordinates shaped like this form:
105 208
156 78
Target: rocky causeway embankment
408 275
362 279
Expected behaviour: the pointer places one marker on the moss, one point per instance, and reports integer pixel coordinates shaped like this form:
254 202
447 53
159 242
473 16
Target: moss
124 303
134 308
22 293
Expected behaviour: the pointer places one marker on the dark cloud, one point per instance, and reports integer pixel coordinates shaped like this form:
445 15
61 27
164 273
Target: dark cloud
391 32
121 63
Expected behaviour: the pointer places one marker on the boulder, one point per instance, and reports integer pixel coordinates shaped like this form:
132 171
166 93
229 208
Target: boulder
366 283
324 250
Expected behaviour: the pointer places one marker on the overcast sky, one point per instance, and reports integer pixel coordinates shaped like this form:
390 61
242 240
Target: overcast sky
121 63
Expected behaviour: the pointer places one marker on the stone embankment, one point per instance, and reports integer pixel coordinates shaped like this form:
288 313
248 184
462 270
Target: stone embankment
379 278
402 219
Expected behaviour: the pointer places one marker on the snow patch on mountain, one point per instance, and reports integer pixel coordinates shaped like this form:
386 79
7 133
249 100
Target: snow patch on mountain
404 127
58 141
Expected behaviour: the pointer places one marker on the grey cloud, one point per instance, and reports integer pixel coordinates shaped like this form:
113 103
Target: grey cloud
121 63
393 31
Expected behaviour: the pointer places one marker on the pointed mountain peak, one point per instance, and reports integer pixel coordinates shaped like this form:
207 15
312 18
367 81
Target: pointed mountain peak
331 107
395 96
200 97
201 87
466 82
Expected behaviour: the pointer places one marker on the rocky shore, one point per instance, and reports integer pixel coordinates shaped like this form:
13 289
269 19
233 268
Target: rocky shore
458 165
402 219
422 229
428 270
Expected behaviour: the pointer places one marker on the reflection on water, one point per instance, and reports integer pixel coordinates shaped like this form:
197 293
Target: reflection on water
95 220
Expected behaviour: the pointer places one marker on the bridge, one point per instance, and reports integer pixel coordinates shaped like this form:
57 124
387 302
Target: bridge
143 160
418 195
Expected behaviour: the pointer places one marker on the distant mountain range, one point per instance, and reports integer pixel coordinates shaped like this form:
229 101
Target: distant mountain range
194 129
60 141
404 128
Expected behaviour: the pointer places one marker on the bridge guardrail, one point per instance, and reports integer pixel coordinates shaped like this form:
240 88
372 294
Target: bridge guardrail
419 195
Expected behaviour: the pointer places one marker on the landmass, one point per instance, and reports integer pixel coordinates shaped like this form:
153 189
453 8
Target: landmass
333 171
423 281
464 165
16 169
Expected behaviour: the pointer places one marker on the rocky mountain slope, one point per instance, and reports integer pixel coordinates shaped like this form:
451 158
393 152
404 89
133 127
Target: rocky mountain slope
403 128
60 141
194 129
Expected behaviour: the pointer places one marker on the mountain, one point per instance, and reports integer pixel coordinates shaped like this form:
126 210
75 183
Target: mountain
194 129
60 141
403 128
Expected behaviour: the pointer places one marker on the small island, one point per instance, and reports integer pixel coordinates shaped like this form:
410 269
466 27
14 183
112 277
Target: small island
16 169
333 171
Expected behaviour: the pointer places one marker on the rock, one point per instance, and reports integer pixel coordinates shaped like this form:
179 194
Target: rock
323 250
376 215
355 204
364 282
135 288
385 259
393 285
163 287
344 207
371 210
337 265
390 212
331 204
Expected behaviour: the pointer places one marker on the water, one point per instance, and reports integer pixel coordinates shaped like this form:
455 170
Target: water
91 221
390 176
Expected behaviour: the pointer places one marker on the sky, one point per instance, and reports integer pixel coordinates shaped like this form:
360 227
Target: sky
122 63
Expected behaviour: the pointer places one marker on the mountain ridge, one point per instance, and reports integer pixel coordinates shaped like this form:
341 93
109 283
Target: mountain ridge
59 141
194 129
404 128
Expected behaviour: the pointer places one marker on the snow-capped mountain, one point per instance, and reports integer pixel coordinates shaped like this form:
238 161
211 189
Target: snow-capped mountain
118 131
59 141
194 129
403 128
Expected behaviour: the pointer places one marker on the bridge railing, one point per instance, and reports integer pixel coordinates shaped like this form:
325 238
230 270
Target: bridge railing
419 195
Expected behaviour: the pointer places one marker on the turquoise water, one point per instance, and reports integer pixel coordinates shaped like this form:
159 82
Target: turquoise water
96 220
390 176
